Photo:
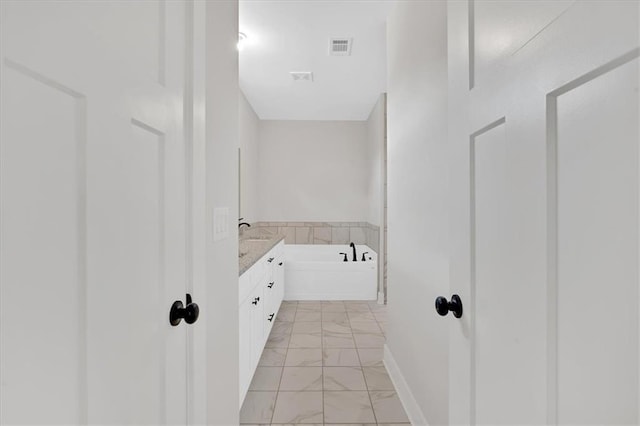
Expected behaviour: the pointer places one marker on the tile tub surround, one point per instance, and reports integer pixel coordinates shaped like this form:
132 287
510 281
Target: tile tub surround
321 232
324 367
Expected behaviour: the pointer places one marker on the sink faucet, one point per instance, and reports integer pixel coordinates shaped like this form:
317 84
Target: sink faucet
243 223
353 246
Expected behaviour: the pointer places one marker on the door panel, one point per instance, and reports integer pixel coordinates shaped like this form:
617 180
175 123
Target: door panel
42 314
146 224
503 334
597 238
94 178
500 28
545 227
494 370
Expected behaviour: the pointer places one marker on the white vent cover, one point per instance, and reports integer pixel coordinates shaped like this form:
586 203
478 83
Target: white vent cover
340 46
302 75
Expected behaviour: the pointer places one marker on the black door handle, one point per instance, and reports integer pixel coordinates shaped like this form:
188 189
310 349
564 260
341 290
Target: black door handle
178 312
455 305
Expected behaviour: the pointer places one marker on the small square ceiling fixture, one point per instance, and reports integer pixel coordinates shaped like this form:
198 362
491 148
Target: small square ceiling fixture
340 46
302 75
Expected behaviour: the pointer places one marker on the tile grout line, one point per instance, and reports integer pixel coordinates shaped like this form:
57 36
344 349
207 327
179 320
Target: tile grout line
286 352
375 418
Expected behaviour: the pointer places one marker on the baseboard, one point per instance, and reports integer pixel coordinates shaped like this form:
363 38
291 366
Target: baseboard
380 298
329 296
411 407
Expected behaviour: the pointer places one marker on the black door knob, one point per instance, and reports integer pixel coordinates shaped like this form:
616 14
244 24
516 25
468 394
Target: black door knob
455 305
178 312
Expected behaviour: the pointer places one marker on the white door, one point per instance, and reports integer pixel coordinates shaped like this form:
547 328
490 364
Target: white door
245 345
93 243
545 179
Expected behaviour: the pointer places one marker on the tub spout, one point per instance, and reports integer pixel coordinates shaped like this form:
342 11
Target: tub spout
353 247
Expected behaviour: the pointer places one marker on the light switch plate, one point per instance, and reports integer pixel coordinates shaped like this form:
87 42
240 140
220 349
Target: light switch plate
220 223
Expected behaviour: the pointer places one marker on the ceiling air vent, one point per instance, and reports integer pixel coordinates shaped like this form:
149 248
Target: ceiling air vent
340 46
301 75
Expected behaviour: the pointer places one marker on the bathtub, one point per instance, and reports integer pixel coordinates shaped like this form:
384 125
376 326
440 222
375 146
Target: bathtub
318 272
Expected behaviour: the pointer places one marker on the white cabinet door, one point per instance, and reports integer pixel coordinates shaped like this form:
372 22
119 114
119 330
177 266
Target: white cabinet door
545 182
271 296
257 302
93 178
274 289
278 278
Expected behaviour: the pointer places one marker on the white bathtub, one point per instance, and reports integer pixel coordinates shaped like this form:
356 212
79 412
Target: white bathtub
318 272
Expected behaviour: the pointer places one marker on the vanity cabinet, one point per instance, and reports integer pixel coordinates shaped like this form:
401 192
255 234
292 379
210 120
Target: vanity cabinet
274 290
261 290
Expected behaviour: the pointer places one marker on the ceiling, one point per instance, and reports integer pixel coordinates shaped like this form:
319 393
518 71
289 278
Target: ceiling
285 36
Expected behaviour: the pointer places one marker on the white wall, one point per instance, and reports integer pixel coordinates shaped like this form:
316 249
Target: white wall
376 129
418 267
248 142
376 163
313 171
221 307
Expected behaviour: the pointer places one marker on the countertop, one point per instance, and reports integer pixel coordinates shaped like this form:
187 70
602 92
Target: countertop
252 246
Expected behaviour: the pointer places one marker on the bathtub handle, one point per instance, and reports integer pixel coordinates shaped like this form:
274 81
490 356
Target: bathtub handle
271 284
270 259
363 258
345 257
256 300
271 317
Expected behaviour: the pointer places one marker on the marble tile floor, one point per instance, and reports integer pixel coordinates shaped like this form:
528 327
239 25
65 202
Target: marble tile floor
322 364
